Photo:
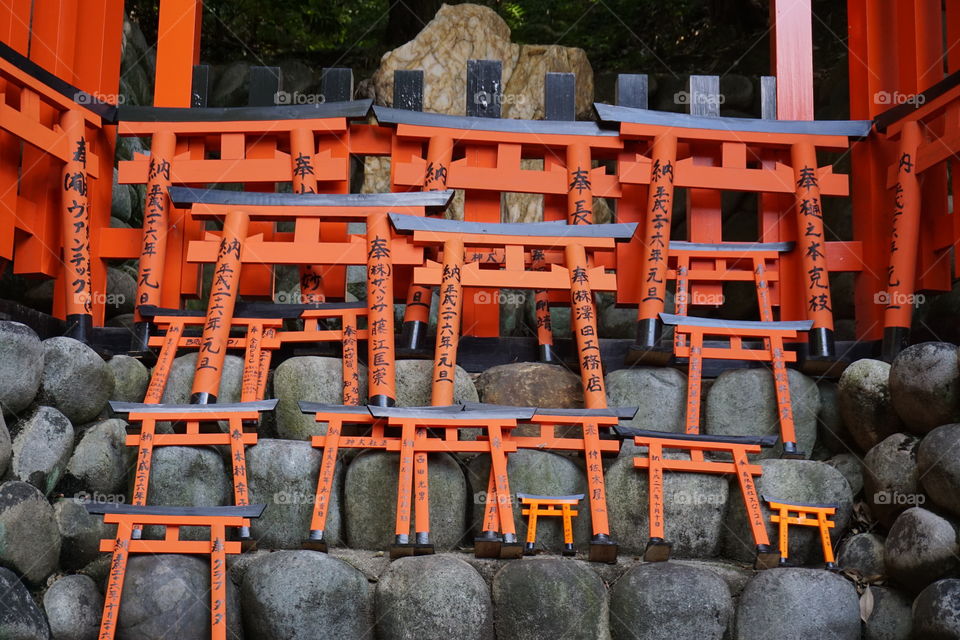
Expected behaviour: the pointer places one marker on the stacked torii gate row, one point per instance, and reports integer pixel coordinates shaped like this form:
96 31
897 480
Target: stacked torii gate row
786 154
379 252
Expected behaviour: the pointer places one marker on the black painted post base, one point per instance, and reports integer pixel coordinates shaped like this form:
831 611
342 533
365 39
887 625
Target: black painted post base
895 340
603 549
767 557
658 550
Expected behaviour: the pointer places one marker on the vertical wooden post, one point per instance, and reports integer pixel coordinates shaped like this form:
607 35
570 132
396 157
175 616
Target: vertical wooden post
350 366
302 149
380 338
118 569
218 582
448 323
792 52
178 50
75 222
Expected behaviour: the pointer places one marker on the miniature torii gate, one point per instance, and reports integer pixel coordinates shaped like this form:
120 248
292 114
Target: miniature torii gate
378 251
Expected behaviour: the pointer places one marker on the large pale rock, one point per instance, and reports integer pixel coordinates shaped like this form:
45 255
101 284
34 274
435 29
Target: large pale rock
370 490
130 378
305 595
694 505
890 617
865 405
890 482
73 606
29 539
938 467
659 393
167 596
283 475
76 381
121 292
832 433
669 600
743 402
414 383
804 481
180 382
863 553
308 379
530 384
80 533
437 596
6 448
20 617
549 598
936 611
100 462
21 366
188 477
798 603
921 548
42 448
925 385
851 468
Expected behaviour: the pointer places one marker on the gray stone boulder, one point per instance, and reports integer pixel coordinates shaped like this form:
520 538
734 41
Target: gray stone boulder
283 475
413 384
308 379
538 473
20 617
889 615
180 381
865 404
798 603
121 292
921 547
669 600
863 554
851 468
305 595
42 448
530 384
890 481
188 477
743 402
925 385
938 467
76 381
73 605
130 379
936 611
832 433
694 505
660 393
804 481
168 596
29 539
6 448
101 461
549 598
21 366
437 596
80 534
370 490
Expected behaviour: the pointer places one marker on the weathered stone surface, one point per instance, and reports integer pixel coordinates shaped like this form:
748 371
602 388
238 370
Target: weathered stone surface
6 448
805 481
890 481
20 617
890 617
798 603
530 384
743 402
936 611
80 533
938 466
21 366
308 379
100 462
121 292
925 385
549 598
185 477
331 599
76 381
370 490
41 448
29 540
413 384
180 381
832 432
130 378
849 465
232 85
921 548
659 393
863 553
73 605
433 597
693 505
669 600
538 473
167 596
283 475
865 404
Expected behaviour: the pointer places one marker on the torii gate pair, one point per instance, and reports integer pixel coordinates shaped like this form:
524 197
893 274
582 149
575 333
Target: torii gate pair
776 159
490 152
129 519
378 251
413 443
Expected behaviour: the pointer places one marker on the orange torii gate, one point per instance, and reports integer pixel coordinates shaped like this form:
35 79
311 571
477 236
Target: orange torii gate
770 157
377 250
129 519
